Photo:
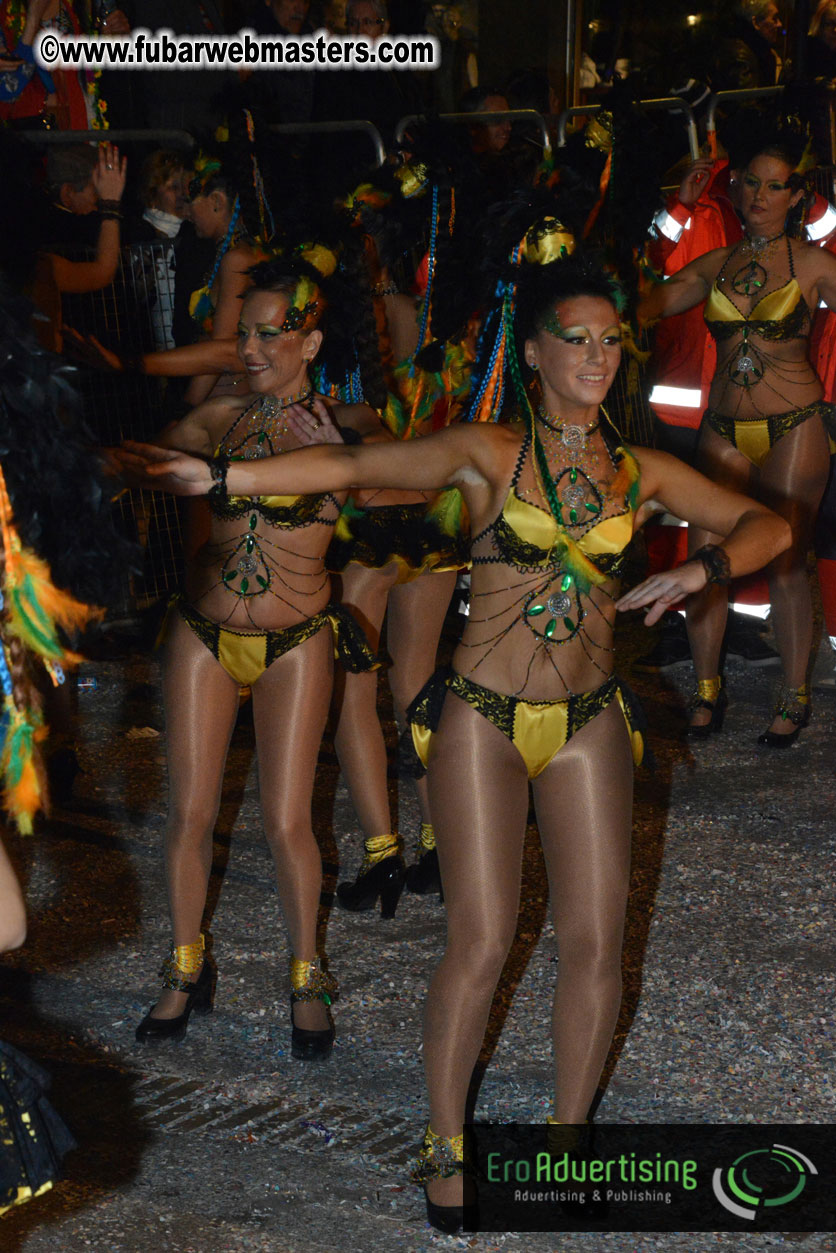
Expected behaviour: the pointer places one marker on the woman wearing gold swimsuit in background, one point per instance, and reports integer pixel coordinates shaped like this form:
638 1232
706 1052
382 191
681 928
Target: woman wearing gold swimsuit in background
553 500
256 611
765 431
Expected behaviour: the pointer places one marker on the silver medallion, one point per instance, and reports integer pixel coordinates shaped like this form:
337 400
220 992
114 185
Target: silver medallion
745 365
574 494
247 564
574 437
270 406
559 605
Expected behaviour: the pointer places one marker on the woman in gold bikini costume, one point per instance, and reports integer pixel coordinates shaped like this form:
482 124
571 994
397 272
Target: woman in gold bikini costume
256 612
765 431
553 499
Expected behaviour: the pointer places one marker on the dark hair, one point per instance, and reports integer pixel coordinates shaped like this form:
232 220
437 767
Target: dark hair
346 314
70 163
157 169
473 101
541 287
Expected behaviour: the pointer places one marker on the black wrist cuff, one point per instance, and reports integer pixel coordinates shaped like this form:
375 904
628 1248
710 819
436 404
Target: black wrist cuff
716 562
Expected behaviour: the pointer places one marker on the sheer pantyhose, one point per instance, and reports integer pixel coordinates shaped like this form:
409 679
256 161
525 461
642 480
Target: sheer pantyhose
791 481
479 792
290 706
416 612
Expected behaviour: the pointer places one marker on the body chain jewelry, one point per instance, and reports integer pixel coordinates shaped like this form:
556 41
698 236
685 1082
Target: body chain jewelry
265 424
751 277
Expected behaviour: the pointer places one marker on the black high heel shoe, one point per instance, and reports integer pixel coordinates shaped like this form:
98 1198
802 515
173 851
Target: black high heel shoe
711 695
424 875
309 982
793 706
380 876
200 995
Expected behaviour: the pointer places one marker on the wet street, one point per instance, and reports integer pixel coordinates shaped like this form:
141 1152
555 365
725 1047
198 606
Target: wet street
225 1144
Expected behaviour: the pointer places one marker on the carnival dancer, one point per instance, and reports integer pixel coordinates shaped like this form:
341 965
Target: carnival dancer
397 553
765 428
256 612
554 497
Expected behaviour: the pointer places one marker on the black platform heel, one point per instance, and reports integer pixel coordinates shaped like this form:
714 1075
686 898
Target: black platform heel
441 1157
711 695
181 962
381 875
309 982
793 705
424 875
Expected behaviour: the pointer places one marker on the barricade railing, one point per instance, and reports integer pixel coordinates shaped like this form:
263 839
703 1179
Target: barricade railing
131 135
479 119
336 128
737 96
672 104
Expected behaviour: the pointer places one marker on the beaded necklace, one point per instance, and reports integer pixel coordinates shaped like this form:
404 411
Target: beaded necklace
265 422
578 478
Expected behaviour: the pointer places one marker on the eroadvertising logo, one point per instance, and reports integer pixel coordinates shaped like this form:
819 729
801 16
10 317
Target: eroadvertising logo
762 1178
652 1177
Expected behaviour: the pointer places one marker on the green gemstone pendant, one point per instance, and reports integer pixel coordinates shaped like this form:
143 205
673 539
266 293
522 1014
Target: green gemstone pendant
535 610
569 624
550 629
253 521
245 583
566 583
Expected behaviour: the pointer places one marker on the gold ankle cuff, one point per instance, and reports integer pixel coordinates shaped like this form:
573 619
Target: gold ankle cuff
309 982
440 1157
426 838
562 1137
793 704
709 689
182 961
378 847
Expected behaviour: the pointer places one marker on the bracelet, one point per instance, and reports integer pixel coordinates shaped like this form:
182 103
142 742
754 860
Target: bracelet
385 289
349 435
716 562
218 467
110 215
110 206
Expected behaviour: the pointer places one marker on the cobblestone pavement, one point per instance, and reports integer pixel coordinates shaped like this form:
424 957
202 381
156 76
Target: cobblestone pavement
224 1144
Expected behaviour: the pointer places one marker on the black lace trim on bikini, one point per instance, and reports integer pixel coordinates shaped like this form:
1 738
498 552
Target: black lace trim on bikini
304 511
794 326
779 424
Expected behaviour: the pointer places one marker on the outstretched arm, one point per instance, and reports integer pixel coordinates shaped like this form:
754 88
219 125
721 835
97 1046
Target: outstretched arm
752 534
465 454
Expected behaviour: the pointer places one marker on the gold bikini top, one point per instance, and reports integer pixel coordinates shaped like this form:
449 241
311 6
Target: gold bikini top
524 536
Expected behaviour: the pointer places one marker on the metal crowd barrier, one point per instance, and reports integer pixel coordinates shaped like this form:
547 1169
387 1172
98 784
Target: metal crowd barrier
738 96
132 314
673 104
478 119
163 138
337 128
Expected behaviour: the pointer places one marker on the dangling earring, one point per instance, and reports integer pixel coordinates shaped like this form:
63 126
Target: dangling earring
533 365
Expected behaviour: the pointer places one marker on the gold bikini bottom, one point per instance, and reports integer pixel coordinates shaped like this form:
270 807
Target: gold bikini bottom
755 438
537 729
245 655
